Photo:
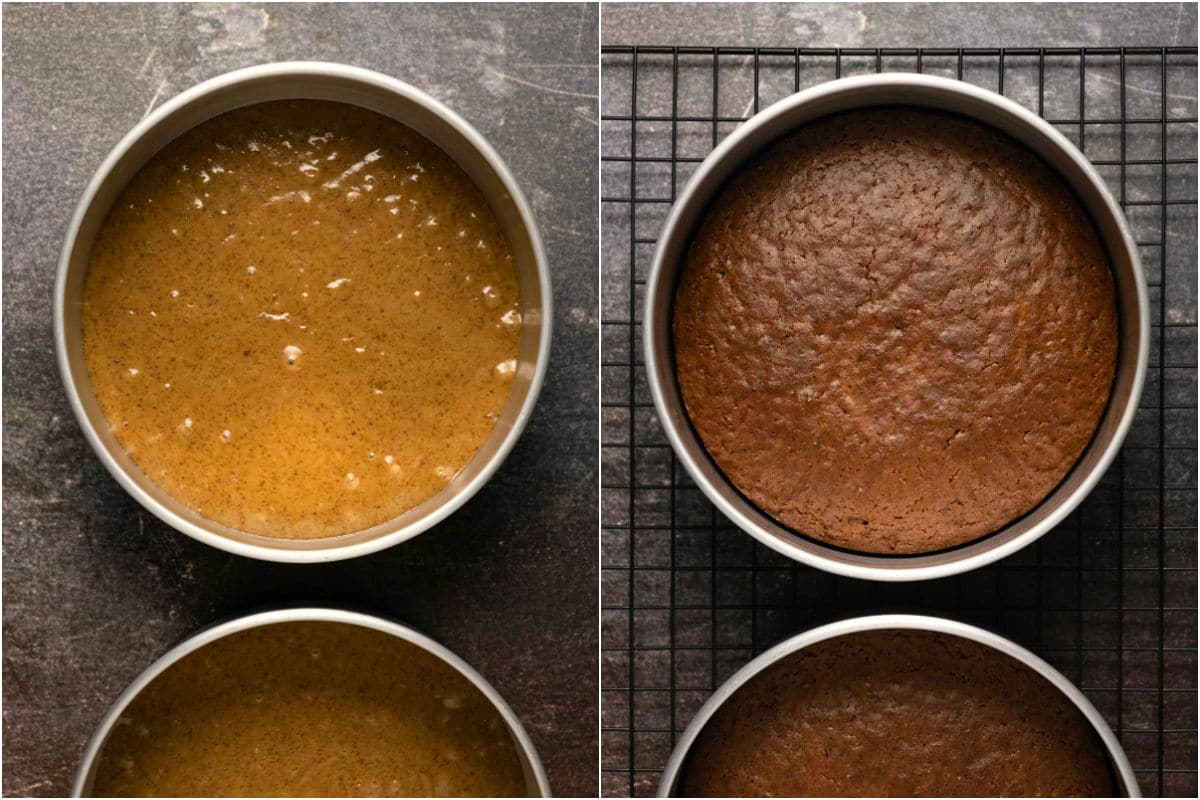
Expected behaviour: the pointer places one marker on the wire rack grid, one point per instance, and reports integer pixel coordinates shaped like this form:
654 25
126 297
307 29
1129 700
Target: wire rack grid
1109 597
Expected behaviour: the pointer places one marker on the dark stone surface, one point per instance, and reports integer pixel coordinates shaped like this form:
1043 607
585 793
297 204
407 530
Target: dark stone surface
900 24
94 587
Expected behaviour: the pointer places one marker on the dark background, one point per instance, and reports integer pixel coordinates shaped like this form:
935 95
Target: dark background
1109 596
900 24
94 587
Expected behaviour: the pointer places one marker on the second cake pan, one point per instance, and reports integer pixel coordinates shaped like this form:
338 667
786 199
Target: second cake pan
912 90
1122 770
536 783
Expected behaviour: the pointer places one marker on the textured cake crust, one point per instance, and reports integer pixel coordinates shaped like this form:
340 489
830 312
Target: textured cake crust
897 714
895 331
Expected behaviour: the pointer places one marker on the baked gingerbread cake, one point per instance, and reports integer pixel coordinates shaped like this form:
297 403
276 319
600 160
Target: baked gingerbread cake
897 714
895 330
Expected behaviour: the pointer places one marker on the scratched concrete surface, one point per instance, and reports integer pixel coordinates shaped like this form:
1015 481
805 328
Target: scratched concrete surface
899 24
95 588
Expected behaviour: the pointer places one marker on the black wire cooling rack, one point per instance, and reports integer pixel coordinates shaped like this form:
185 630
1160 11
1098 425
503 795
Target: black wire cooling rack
1109 597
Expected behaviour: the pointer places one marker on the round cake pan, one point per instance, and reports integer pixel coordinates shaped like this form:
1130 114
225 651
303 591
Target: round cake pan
1122 771
535 776
314 81
989 108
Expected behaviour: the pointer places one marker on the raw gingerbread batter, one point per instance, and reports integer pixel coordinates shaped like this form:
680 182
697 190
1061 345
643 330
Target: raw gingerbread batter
301 319
310 709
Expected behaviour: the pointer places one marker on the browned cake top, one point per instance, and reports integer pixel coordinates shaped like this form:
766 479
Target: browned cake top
895 331
897 714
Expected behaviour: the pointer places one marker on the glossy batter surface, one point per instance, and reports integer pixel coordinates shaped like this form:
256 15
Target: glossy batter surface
310 709
895 331
301 319
897 714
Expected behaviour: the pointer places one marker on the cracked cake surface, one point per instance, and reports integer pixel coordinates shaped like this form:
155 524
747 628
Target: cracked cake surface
895 330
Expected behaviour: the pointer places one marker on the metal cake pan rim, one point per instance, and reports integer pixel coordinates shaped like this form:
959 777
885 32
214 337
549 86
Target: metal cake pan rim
1122 769
348 545
208 635
739 146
